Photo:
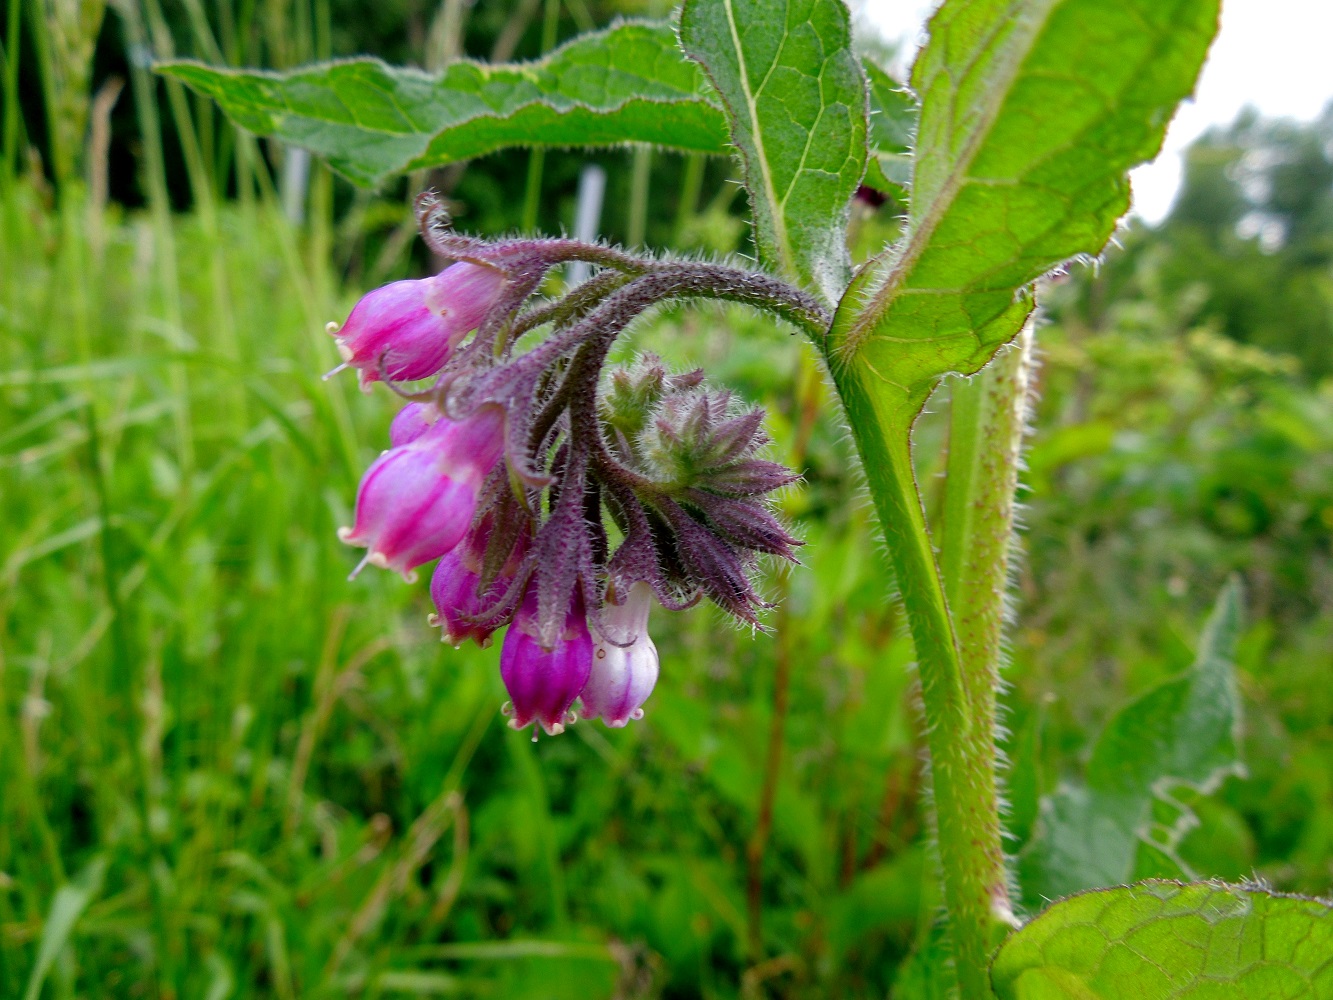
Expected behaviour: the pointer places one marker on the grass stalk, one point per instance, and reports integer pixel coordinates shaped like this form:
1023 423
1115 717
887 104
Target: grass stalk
13 18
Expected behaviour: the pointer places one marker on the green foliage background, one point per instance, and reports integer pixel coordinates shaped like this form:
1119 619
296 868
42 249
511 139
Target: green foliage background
225 771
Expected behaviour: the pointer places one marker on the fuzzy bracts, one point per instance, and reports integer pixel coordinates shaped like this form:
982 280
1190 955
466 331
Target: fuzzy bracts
519 464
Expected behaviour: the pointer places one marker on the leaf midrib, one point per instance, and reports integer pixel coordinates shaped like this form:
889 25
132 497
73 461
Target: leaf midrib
1018 48
779 221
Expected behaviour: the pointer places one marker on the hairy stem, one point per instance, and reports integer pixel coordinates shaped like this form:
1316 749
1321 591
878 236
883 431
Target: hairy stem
985 442
962 752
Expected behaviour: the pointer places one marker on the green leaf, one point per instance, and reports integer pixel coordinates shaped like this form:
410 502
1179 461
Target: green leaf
1026 781
928 974
67 906
1167 941
1032 113
893 120
1125 823
628 83
796 104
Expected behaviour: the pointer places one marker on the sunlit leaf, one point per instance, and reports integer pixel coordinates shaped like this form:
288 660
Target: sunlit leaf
1167 941
893 119
629 83
796 103
1032 114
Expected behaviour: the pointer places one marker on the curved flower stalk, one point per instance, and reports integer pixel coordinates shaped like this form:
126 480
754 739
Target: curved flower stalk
518 465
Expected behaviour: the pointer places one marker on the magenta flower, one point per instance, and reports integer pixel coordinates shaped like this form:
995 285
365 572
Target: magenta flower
455 589
407 329
543 683
412 421
623 676
417 500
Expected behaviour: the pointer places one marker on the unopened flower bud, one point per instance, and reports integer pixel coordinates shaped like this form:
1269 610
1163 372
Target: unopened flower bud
407 329
622 676
455 588
412 421
417 500
543 683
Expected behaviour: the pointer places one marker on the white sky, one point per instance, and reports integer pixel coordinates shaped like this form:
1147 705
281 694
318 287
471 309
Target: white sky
1274 54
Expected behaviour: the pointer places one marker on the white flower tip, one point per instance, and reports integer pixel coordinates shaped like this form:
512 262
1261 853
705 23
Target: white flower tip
345 535
332 328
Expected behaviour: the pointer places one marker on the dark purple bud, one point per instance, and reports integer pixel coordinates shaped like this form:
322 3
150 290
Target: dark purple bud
408 329
543 683
744 523
417 500
713 565
752 477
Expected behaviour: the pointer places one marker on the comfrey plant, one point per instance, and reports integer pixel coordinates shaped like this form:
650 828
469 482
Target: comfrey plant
516 466
563 499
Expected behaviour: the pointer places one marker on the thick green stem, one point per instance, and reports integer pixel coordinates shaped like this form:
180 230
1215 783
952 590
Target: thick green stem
985 441
962 751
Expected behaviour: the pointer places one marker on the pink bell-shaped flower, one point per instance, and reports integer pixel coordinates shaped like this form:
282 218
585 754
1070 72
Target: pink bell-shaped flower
412 421
417 500
543 683
407 329
622 676
454 591
455 588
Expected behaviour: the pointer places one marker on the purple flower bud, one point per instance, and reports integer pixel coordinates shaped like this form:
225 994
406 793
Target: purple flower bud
455 588
623 676
412 421
543 683
409 328
417 500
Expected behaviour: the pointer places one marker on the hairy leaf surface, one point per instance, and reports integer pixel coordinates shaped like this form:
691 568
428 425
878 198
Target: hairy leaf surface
796 104
1167 941
1032 113
893 117
629 83
1124 823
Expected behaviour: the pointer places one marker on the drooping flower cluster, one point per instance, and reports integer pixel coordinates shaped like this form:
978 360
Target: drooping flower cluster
561 498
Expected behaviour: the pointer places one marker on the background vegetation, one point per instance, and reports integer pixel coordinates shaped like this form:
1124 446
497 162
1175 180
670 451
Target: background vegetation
226 771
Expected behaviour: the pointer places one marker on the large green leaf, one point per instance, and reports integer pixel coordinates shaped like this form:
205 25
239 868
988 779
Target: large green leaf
629 83
796 103
1168 941
893 117
1032 113
1125 823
